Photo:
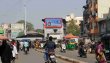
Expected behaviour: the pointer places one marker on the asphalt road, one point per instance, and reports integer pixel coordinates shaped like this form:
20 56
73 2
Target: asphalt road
74 54
34 57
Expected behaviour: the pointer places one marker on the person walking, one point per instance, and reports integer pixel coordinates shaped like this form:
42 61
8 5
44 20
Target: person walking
21 45
14 53
18 46
6 52
63 46
100 57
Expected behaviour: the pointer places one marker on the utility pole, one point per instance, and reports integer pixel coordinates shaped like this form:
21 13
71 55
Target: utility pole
25 14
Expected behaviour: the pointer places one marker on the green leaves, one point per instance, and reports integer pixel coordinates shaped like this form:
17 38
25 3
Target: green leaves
73 28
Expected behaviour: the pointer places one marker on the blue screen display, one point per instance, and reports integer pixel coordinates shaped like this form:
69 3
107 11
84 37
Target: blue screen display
53 22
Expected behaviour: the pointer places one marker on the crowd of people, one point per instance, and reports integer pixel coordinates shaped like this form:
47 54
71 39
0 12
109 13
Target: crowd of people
97 48
9 49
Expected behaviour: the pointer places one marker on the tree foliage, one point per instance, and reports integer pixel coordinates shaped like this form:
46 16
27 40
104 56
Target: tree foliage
29 25
73 28
20 34
39 30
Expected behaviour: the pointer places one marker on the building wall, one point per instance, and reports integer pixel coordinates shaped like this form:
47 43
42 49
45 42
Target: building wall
59 34
71 16
103 8
78 19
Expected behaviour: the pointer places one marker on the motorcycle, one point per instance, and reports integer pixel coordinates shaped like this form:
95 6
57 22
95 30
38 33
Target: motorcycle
51 57
25 50
107 55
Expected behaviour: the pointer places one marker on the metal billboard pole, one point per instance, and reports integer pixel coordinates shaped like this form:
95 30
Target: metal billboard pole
25 14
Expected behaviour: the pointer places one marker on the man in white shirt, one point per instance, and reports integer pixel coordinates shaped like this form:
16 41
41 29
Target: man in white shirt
14 53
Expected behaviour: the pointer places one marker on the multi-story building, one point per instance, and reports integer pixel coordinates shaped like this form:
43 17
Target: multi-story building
94 12
76 19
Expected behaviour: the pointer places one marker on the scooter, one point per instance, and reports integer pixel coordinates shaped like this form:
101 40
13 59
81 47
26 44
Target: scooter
25 50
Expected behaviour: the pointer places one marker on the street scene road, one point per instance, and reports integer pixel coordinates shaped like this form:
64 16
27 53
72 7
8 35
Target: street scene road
77 31
74 54
33 57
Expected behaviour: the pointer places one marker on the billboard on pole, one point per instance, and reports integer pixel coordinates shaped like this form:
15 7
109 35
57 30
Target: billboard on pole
15 29
53 22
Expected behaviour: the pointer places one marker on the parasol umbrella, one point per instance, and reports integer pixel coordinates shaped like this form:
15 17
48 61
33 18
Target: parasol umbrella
3 37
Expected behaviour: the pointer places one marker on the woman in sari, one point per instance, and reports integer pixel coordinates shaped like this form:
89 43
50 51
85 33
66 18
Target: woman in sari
100 57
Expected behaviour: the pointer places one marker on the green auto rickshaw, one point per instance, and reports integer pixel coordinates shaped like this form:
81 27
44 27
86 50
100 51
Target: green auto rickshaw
71 44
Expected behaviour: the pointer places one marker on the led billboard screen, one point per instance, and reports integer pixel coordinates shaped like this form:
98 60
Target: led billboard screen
53 22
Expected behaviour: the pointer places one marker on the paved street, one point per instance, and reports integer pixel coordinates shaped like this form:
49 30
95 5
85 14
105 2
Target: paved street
73 54
33 57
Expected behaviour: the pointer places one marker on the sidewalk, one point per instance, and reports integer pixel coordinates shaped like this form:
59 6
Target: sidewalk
73 54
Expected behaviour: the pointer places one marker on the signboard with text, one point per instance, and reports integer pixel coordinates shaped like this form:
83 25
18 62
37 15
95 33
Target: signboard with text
53 22
1 30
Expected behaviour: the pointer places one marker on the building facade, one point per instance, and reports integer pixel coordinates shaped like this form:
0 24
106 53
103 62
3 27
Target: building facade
77 19
55 27
95 11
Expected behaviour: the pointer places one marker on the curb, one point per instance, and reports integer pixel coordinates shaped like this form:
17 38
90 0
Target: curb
65 58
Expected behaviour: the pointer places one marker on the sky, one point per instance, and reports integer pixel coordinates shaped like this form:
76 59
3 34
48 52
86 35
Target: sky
12 11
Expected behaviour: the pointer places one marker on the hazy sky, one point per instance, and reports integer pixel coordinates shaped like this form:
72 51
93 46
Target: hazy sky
12 10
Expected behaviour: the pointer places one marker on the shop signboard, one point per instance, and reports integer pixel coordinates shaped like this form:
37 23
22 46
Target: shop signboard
1 30
17 26
14 34
53 22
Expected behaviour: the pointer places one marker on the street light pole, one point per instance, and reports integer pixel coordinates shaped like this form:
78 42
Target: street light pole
25 11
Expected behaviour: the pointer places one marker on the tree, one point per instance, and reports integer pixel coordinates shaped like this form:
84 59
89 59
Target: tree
39 31
20 34
29 25
73 28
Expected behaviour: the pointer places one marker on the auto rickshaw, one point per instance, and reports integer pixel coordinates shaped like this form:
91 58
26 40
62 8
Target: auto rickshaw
71 44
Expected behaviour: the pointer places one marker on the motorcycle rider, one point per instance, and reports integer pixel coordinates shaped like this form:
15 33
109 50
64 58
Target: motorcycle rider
26 46
49 47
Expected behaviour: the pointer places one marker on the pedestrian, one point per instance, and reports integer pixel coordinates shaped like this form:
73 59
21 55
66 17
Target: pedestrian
1 47
14 53
21 45
82 49
18 46
100 57
6 52
63 46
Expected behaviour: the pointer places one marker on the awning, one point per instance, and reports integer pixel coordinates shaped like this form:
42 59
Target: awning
3 37
70 36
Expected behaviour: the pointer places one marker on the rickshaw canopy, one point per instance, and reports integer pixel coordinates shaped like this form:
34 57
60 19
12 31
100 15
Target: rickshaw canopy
3 37
69 36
